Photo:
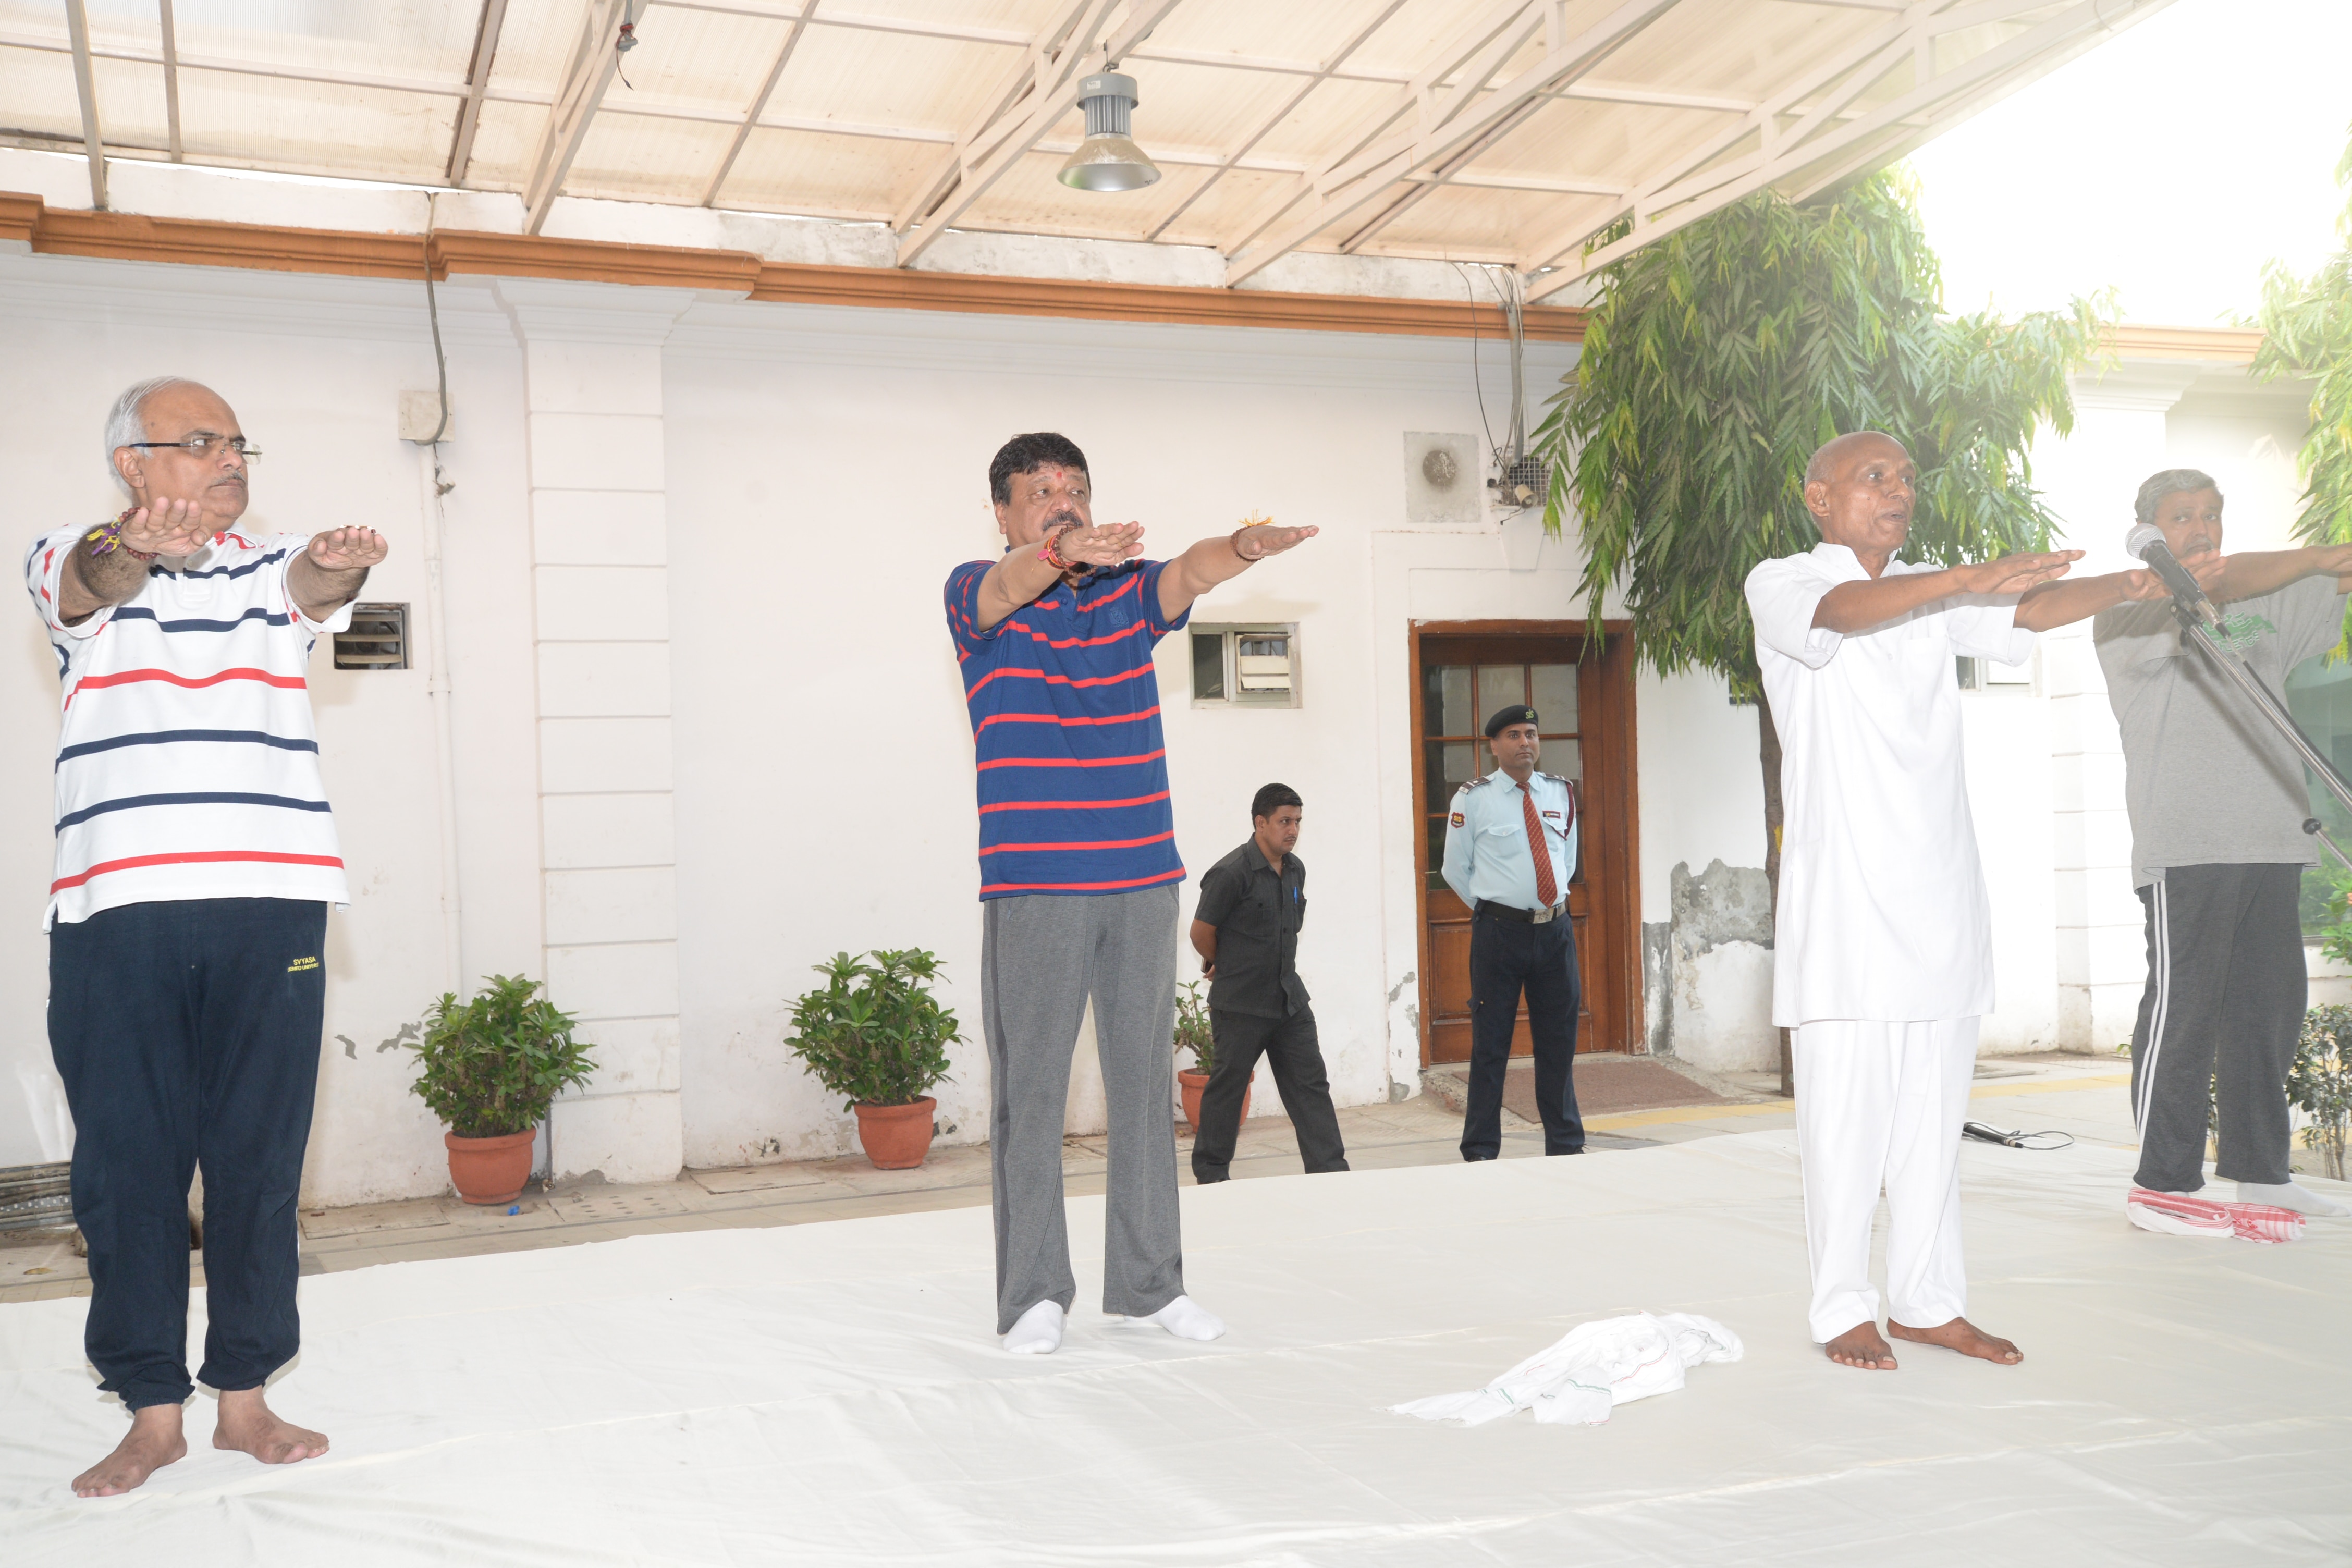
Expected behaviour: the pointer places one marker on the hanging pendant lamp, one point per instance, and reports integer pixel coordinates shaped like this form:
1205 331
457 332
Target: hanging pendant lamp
1107 159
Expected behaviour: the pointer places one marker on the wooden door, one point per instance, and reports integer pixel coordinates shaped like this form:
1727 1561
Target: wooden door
1461 673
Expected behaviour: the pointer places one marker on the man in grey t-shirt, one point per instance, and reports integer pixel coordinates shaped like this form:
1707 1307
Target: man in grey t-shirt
2216 802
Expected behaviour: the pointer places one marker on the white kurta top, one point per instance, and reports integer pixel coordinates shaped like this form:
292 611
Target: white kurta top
1882 913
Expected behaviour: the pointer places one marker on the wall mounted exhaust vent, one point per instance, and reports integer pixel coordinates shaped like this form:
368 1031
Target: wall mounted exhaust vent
1440 481
378 638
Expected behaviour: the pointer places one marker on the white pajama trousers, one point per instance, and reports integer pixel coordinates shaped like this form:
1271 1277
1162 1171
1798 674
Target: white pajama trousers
1879 1105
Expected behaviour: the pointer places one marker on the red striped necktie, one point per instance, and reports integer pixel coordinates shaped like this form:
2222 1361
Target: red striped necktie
1546 888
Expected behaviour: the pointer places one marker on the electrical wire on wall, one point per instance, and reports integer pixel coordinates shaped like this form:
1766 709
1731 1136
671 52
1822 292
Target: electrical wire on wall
437 686
1519 481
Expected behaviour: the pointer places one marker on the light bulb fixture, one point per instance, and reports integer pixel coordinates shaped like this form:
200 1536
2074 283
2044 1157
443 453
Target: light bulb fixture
1106 160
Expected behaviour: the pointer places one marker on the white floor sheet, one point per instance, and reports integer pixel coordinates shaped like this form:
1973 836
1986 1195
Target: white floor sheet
830 1393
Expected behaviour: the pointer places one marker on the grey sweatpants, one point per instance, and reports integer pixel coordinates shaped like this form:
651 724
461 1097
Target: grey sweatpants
2217 1024
1041 955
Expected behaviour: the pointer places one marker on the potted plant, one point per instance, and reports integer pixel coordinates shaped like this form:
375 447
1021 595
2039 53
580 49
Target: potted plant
875 1036
489 1069
2319 1084
1194 1034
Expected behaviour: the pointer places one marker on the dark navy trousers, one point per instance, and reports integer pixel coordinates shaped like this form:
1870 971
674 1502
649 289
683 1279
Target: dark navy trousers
1506 956
187 1032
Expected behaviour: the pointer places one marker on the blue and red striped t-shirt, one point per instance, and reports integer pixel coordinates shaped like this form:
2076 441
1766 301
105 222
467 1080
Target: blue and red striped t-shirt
1066 726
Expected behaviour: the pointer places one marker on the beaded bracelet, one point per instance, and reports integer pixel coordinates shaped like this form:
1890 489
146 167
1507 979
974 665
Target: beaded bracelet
1053 557
104 539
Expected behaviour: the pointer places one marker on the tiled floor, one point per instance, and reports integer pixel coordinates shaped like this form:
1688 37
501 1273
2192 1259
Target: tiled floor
2080 1095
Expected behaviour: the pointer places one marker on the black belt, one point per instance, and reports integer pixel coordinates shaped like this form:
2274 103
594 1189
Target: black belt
1524 917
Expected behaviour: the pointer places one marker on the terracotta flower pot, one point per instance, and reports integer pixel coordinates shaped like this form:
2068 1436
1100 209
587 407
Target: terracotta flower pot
489 1169
1195 1084
896 1137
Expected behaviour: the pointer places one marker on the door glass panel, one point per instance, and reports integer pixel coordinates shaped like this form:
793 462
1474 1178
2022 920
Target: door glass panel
1445 705
1554 697
1565 758
1447 766
1499 684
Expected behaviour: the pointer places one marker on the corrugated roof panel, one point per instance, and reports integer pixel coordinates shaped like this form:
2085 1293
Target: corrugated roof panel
709 61
316 127
504 144
37 94
938 85
429 40
535 44
636 157
826 175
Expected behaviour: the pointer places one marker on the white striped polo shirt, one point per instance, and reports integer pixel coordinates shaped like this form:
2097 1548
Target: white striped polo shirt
187 761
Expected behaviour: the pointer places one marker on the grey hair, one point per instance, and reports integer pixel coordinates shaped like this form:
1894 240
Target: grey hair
2170 483
126 422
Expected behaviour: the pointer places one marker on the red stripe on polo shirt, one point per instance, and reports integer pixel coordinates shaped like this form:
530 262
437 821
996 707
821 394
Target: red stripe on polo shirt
1074 761
1150 712
1089 843
190 859
1071 804
988 887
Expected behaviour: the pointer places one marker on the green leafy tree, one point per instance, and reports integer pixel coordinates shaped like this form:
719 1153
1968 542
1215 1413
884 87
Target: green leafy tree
2307 332
1718 358
874 1033
493 1064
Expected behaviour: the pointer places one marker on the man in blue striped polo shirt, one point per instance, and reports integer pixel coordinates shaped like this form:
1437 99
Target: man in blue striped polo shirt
1078 873
195 859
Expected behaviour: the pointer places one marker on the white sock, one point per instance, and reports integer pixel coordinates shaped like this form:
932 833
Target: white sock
1187 1319
1037 1332
2287 1196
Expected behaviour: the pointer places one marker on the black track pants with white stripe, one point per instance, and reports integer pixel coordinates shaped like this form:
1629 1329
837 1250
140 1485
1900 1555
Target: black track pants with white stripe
2226 990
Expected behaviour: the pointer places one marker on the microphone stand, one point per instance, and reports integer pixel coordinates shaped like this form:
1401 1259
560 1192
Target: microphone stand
2228 660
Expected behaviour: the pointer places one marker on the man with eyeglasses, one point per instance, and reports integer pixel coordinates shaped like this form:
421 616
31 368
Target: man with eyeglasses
195 859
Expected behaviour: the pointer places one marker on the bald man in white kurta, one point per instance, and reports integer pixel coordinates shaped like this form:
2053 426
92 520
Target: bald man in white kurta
1882 948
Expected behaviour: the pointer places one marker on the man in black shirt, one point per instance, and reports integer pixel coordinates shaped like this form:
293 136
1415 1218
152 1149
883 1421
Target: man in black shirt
1247 930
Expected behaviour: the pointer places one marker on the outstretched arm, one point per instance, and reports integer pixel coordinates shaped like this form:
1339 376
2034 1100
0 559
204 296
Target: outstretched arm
2079 598
1852 607
1215 561
2258 571
1027 570
103 568
331 568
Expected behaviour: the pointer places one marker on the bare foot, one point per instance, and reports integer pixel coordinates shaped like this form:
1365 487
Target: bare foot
152 1442
1862 1346
248 1424
1963 1336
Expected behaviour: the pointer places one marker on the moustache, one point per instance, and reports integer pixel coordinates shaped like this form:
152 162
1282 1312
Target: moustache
1065 520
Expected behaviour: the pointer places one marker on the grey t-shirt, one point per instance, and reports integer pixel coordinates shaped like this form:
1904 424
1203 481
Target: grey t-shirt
2206 779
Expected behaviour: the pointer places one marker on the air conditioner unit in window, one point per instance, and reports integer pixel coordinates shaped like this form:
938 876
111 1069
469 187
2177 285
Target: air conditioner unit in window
1262 664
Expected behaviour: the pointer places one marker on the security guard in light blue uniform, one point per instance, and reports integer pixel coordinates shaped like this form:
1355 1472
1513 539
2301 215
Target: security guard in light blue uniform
1511 850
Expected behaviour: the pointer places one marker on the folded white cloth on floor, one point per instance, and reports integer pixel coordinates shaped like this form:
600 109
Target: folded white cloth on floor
1592 1369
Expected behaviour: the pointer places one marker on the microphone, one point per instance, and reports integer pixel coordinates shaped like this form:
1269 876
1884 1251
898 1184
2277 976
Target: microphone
2146 544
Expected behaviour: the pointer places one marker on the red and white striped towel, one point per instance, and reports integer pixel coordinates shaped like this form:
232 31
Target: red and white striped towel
2181 1214
2265 1222
2178 1214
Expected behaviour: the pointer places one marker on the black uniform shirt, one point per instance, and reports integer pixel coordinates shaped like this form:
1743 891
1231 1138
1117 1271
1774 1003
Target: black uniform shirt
1257 915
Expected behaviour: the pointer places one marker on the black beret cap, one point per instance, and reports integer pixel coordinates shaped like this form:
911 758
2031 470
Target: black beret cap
1517 714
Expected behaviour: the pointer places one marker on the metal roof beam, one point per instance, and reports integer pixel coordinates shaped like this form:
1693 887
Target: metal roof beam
1761 123
1864 142
477 88
996 111
1053 93
171 79
793 35
1265 126
585 76
1378 174
77 30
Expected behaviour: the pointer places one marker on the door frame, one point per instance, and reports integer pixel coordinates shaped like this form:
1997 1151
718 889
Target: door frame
1619 888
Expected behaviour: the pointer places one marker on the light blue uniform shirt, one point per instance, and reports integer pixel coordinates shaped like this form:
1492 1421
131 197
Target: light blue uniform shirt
1486 852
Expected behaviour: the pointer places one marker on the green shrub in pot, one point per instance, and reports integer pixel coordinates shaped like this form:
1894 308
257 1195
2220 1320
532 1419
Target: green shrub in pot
874 1034
493 1064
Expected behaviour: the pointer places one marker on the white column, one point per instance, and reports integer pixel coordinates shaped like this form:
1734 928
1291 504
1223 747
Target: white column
2089 480
600 557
